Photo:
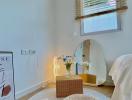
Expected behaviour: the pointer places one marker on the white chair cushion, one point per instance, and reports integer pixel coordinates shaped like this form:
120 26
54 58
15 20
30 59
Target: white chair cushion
79 97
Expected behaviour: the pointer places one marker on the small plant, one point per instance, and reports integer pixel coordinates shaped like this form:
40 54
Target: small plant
68 61
85 65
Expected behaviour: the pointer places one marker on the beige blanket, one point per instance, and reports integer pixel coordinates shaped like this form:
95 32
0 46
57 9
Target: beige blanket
121 73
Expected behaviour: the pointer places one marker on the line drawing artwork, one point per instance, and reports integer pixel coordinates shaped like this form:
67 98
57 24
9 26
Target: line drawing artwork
6 77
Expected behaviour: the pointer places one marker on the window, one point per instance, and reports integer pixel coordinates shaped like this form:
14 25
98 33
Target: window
102 23
99 15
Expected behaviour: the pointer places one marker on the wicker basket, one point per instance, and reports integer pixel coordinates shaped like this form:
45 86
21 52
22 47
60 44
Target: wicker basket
66 86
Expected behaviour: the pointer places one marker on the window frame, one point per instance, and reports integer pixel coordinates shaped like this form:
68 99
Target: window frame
99 32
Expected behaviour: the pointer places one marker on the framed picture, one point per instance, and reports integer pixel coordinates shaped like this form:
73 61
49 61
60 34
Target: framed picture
7 87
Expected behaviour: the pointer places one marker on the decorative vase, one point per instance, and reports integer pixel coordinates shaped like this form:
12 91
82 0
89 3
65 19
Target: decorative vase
68 68
85 69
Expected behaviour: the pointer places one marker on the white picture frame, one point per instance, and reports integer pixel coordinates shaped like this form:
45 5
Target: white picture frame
7 87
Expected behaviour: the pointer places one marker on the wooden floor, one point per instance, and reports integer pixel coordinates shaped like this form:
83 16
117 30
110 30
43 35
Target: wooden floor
106 90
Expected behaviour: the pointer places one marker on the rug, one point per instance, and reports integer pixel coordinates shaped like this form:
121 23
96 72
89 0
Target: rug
50 94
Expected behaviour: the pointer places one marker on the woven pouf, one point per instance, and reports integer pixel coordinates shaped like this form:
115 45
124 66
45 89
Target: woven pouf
79 97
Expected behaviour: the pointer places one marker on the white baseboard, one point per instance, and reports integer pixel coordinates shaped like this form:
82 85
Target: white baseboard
31 89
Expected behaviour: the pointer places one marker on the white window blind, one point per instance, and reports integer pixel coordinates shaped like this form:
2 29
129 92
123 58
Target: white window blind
91 8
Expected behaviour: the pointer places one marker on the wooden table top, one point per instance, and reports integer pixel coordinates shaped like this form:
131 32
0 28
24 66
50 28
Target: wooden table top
71 77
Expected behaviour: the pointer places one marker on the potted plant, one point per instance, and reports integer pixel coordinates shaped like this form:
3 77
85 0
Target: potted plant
68 61
85 66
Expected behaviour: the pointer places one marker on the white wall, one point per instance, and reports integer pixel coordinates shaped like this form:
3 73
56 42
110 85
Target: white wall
27 24
32 24
68 30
